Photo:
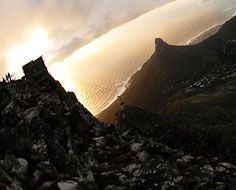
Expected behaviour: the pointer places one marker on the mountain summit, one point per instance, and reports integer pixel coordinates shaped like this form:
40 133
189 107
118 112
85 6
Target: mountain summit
161 45
49 141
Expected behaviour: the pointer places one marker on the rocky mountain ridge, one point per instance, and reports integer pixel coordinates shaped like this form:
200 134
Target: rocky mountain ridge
48 141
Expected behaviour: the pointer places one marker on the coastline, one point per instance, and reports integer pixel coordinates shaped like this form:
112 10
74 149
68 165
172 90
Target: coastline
204 35
123 87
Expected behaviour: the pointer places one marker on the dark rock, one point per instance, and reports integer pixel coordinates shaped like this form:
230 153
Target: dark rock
67 185
161 45
49 141
4 177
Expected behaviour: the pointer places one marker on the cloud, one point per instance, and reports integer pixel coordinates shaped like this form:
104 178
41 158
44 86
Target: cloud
69 23
205 1
103 16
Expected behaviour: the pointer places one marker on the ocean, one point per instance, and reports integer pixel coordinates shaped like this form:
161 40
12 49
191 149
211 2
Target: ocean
100 71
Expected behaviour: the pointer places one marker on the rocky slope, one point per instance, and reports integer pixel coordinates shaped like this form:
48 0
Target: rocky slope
48 141
176 77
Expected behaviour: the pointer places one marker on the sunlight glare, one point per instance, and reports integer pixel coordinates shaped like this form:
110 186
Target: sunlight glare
60 72
36 45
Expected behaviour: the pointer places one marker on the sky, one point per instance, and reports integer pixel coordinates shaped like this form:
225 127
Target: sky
57 28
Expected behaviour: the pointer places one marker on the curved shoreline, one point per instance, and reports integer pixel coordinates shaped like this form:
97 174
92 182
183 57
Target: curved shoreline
204 35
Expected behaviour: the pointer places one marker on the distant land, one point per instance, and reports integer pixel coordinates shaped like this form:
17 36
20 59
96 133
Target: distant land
184 138
204 35
202 74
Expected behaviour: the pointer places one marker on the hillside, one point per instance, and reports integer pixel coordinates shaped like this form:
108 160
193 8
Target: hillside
202 74
49 141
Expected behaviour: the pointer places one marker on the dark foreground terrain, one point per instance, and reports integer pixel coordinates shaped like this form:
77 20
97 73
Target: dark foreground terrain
186 139
49 141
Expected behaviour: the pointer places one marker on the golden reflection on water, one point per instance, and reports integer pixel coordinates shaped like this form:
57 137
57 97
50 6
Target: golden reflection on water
97 72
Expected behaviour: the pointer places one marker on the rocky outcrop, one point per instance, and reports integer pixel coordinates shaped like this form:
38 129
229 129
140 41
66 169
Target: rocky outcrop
49 141
212 137
43 129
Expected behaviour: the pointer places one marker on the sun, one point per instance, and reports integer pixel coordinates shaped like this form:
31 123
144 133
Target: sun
36 44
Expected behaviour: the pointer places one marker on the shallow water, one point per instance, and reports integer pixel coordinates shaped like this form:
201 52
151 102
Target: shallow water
99 71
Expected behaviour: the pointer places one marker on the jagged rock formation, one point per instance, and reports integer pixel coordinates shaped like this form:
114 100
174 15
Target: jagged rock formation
49 141
44 125
215 136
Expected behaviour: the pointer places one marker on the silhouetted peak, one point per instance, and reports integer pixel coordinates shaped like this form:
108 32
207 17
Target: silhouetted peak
160 44
48 140
35 69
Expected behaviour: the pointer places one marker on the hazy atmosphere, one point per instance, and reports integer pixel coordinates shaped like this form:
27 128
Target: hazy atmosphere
118 95
56 28
94 47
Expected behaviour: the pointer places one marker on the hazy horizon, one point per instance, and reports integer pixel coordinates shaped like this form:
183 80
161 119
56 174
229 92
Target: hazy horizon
99 71
57 28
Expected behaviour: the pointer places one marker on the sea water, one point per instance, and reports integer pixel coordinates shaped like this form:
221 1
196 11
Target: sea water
100 71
